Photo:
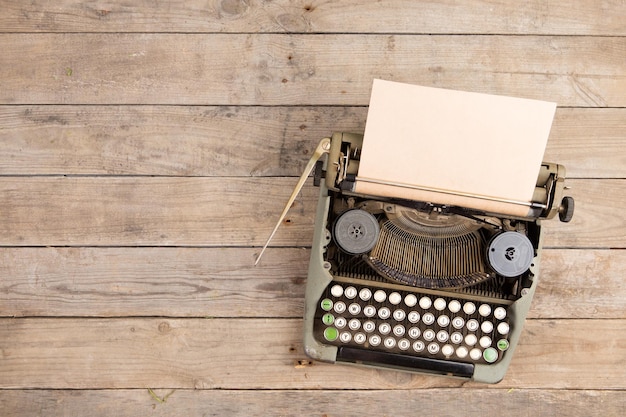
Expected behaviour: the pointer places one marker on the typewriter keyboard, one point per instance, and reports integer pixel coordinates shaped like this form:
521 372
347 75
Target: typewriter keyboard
410 323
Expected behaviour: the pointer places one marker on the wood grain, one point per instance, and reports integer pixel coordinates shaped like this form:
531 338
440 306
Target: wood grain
264 69
443 402
242 141
184 211
267 354
586 17
148 147
222 282
151 211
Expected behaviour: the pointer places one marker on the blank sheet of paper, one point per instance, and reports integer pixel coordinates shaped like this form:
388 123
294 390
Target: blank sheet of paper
467 143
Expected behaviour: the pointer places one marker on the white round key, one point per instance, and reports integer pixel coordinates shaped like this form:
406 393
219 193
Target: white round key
503 328
472 325
350 292
359 338
414 317
442 336
410 300
486 327
433 348
395 298
418 346
428 318
404 344
390 343
384 313
380 296
476 354
425 303
354 308
340 322
339 307
369 326
456 338
414 332
439 304
365 294
429 334
447 350
458 322
345 337
469 307
471 339
443 320
484 310
384 328
398 330
399 315
375 340
461 352
485 341
369 311
499 313
336 290
354 324
454 306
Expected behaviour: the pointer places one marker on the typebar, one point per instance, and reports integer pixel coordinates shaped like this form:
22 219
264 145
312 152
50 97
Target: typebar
368 357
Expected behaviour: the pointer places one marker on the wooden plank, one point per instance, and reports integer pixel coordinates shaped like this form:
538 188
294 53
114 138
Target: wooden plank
151 211
240 69
599 219
581 283
167 140
242 141
402 16
173 211
589 142
444 402
221 282
104 282
267 354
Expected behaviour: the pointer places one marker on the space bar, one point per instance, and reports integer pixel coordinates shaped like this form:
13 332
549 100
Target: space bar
369 357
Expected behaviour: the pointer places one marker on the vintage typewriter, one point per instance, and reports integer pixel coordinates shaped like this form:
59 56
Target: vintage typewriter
419 285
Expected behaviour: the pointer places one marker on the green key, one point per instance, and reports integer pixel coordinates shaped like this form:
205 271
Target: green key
327 304
503 344
490 355
328 319
331 334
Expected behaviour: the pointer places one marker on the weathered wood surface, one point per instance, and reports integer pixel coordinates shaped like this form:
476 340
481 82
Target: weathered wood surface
349 403
222 282
113 281
276 69
229 211
586 17
242 141
222 353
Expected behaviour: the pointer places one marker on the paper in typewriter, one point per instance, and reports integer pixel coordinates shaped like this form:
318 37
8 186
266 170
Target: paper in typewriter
467 149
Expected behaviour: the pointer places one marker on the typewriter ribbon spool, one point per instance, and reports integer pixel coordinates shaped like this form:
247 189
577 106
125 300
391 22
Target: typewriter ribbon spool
510 254
356 231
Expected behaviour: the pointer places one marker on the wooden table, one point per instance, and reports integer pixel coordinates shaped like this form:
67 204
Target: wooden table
147 149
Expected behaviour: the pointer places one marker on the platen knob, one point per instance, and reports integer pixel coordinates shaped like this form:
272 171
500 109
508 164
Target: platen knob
566 210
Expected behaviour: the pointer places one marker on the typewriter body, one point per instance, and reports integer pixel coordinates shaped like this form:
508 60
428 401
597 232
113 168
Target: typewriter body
420 279
419 286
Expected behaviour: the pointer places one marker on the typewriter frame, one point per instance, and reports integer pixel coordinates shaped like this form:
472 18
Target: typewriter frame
320 276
